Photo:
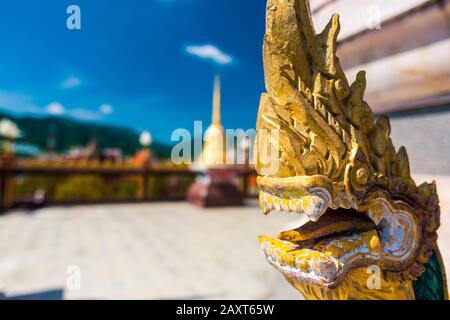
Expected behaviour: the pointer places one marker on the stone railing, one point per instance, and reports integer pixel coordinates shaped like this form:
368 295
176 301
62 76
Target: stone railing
35 183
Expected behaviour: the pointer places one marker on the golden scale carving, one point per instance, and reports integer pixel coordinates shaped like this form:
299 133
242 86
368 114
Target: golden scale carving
332 153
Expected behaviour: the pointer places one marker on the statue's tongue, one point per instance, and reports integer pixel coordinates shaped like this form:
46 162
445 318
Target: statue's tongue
332 222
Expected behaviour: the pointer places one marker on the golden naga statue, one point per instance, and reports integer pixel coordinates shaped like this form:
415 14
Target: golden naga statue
366 230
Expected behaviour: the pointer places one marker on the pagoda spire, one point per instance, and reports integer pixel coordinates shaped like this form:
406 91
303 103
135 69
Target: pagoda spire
214 147
216 102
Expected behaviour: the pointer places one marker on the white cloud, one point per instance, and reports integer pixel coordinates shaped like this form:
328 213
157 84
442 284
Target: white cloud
55 108
106 108
19 103
70 82
210 52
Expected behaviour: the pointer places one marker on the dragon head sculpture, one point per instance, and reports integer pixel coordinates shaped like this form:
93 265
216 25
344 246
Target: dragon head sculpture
322 155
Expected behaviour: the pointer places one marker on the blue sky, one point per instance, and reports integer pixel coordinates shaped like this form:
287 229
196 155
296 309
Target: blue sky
145 64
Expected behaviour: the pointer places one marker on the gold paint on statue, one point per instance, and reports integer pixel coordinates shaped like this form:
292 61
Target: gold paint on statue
337 168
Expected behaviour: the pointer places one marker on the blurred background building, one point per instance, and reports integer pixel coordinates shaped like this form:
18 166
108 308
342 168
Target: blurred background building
404 46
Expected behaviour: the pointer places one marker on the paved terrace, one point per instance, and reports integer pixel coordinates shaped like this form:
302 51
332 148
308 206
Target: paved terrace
149 251
140 251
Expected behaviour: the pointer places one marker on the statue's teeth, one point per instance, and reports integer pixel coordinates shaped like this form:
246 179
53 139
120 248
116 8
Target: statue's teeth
285 205
300 208
262 199
277 203
296 205
376 214
316 204
292 207
267 205
315 209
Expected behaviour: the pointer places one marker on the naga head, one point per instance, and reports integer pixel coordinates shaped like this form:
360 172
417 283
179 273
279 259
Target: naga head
322 155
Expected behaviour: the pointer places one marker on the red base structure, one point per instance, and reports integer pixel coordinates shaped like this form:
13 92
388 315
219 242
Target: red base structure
217 191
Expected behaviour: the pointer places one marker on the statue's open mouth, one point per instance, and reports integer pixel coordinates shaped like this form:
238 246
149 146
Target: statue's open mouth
331 238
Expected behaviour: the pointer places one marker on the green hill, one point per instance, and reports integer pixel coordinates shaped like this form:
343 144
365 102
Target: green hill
71 133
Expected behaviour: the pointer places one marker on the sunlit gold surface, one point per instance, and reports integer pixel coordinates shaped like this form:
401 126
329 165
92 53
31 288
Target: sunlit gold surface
332 152
354 288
